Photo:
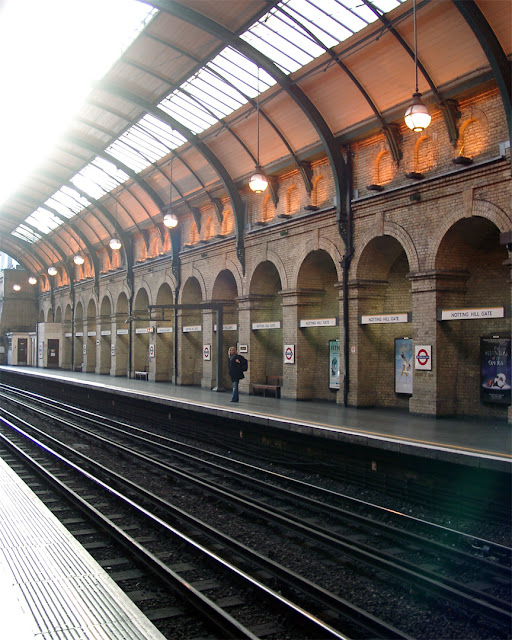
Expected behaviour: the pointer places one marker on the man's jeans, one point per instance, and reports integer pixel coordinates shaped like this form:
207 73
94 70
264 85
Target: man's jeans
235 391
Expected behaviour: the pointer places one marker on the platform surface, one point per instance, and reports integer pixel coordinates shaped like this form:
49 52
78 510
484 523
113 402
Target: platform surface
50 587
482 442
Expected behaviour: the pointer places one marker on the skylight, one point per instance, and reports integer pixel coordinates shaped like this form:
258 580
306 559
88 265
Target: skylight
291 34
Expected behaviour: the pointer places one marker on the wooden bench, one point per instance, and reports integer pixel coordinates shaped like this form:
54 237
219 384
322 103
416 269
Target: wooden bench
141 375
272 384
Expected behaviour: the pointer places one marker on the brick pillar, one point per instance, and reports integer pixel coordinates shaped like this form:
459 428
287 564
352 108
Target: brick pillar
103 347
435 390
208 380
164 351
366 297
299 378
120 343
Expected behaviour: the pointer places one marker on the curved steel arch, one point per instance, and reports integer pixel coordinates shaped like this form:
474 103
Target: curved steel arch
201 147
497 58
327 138
448 107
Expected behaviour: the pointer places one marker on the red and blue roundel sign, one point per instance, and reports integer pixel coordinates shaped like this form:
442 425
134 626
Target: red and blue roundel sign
423 357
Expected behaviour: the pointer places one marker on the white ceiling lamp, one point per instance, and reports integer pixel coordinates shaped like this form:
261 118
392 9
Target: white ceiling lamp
258 182
16 287
170 220
32 280
417 116
115 243
78 259
52 271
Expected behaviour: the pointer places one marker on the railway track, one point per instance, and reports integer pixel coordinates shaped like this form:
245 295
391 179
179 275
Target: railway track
379 541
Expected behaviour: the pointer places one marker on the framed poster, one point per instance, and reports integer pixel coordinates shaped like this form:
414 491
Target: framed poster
334 364
403 365
495 370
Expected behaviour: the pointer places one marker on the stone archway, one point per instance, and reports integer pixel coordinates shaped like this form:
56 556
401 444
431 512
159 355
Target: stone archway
164 338
382 291
266 323
190 370
314 309
121 342
472 273
90 338
225 290
104 337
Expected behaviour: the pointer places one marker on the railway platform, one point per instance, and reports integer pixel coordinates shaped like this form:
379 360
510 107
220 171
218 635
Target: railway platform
50 587
483 443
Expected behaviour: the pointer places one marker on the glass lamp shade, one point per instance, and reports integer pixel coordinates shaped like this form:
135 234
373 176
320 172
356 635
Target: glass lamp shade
170 220
79 259
115 243
32 280
258 183
52 271
16 287
417 117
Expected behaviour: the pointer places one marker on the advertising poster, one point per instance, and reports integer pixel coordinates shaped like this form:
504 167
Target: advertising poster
334 364
495 370
403 365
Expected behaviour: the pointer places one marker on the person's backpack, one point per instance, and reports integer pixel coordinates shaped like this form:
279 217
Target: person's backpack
244 364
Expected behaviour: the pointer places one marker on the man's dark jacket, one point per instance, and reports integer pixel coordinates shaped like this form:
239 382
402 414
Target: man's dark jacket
236 369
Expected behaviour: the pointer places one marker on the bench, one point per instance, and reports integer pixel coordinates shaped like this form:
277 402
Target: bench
141 375
79 367
272 384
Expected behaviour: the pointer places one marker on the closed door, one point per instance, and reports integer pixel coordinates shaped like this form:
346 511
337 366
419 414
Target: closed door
22 351
53 353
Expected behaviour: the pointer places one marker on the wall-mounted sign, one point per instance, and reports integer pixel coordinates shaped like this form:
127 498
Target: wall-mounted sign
318 322
84 350
289 353
471 314
144 330
266 325
191 329
164 330
151 351
495 370
79 334
386 318
122 332
106 332
112 350
403 365
227 327
91 334
207 352
243 348
334 364
68 334
423 357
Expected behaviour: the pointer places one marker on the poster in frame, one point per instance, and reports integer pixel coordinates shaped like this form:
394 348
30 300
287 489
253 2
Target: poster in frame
495 369
334 364
403 365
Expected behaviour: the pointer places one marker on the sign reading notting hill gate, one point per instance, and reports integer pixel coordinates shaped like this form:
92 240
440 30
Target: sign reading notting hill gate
471 314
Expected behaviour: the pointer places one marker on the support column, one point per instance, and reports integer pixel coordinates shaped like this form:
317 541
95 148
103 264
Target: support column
435 390
365 297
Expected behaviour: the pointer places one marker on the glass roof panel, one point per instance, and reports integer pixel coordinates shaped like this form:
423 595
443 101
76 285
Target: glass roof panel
222 86
43 220
27 234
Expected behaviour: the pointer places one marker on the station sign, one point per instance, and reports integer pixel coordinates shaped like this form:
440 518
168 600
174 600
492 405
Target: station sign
423 357
164 329
207 352
79 334
192 328
227 327
122 332
266 325
289 353
91 334
318 322
106 332
144 330
386 318
471 314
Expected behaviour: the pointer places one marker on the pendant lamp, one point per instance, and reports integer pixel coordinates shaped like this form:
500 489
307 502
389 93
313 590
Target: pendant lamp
417 116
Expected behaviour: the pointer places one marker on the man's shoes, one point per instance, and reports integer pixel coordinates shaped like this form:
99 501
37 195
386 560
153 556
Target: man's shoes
233 400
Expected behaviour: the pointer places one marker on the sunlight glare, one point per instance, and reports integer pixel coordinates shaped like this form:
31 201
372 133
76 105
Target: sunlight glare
52 53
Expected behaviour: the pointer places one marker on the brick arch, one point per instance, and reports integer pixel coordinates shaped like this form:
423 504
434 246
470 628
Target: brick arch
323 244
481 209
276 260
383 169
394 231
268 209
423 154
319 193
292 201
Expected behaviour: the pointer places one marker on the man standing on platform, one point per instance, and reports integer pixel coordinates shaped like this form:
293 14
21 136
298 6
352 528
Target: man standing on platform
237 364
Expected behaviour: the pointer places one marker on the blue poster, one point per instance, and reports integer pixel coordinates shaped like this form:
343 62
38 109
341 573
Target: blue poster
495 370
403 365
